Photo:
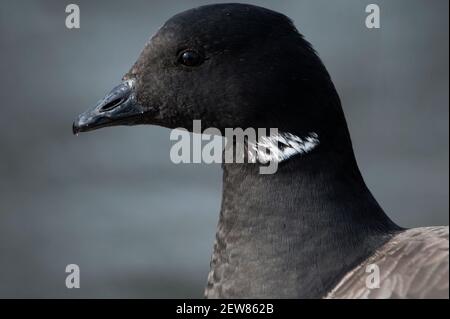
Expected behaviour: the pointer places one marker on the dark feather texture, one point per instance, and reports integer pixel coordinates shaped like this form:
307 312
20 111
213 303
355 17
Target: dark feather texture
299 232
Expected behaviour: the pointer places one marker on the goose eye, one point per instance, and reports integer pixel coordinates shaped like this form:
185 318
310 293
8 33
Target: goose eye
190 58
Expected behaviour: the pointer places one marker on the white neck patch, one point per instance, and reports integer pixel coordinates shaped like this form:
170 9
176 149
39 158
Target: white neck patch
281 146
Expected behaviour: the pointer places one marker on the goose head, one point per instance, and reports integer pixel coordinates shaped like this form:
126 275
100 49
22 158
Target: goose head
228 65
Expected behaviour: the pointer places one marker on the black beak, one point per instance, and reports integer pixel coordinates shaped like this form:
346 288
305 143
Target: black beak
119 107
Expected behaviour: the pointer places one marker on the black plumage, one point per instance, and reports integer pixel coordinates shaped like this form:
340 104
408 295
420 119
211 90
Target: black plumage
295 233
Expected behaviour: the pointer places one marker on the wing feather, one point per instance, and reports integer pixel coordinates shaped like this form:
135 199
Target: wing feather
413 264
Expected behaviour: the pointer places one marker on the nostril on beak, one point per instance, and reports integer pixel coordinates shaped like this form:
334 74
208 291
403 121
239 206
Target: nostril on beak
112 104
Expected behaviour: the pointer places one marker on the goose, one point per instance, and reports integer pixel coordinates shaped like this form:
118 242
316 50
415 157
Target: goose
313 228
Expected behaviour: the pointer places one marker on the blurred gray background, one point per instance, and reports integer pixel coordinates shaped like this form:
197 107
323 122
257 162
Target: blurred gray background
113 203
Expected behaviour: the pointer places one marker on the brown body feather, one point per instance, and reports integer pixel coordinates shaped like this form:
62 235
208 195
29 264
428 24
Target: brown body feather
413 264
